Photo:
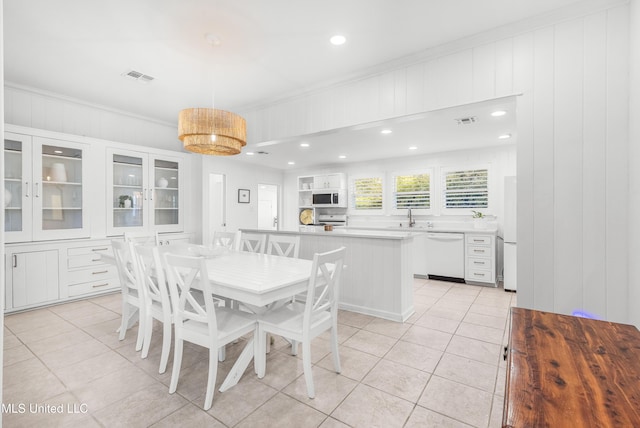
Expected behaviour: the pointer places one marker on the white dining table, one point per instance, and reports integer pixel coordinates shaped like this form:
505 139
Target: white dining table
257 280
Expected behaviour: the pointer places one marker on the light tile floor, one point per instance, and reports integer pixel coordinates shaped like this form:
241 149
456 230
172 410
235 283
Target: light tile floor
442 368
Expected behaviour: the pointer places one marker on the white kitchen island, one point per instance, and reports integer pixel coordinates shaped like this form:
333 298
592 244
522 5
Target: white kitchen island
378 277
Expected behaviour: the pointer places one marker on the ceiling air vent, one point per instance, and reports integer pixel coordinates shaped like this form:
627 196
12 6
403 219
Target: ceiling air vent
467 120
136 75
262 153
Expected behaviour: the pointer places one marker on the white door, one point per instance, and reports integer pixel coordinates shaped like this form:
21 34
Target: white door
215 215
267 207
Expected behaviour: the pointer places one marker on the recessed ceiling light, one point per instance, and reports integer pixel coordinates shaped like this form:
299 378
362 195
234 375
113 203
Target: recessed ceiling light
413 148
386 131
498 113
504 136
58 152
338 40
250 153
291 163
304 144
342 157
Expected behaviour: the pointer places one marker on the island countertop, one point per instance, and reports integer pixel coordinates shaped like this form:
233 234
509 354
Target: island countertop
346 232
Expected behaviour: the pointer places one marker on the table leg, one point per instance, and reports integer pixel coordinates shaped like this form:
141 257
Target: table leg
239 367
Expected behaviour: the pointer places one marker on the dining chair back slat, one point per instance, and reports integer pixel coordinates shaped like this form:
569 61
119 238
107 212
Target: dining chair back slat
229 240
284 245
253 242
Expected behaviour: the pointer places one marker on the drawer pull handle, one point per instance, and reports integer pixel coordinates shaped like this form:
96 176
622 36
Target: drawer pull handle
478 263
100 285
99 272
478 251
100 249
478 274
96 260
478 240
506 352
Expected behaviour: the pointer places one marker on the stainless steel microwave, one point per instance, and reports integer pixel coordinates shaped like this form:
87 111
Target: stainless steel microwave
330 199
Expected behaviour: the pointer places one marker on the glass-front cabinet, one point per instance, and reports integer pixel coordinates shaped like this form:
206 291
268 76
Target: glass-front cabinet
144 193
44 189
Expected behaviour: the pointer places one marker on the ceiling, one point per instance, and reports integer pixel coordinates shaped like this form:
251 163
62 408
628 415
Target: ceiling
267 50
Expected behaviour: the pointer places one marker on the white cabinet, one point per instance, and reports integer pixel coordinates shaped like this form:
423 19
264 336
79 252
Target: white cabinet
46 180
143 192
31 278
420 259
480 259
330 181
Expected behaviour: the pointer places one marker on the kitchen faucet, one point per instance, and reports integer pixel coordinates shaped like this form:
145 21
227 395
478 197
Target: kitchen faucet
412 221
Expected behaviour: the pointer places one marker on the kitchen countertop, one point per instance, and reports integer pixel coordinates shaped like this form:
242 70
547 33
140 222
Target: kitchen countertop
462 228
349 232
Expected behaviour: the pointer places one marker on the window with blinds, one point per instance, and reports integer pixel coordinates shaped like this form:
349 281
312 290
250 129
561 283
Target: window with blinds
412 191
466 189
367 193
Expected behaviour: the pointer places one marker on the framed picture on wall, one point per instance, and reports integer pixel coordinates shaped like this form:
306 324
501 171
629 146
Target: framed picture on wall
243 196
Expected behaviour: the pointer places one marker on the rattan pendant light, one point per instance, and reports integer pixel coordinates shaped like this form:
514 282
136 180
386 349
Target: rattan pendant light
212 132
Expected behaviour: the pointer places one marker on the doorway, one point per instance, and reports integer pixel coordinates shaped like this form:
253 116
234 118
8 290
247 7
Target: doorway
268 207
216 211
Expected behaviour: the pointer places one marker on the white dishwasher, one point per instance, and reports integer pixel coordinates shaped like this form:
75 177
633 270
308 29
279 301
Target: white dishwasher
445 255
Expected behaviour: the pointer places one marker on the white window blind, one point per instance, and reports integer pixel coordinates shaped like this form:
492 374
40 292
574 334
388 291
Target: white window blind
467 189
367 193
412 191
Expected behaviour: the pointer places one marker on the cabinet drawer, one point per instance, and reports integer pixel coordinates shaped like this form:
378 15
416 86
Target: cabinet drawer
94 287
86 260
97 273
96 249
479 263
480 275
479 239
475 251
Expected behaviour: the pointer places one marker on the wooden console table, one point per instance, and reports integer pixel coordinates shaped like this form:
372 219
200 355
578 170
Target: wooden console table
565 371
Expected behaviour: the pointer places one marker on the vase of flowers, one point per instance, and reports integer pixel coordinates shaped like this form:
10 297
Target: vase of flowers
479 220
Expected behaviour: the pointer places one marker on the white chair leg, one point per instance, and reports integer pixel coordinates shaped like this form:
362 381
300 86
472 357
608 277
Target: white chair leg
177 362
306 364
222 353
166 346
211 379
294 347
148 331
125 318
141 329
334 349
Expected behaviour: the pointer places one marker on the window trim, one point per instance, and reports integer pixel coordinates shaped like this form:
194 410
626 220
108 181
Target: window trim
467 210
352 194
393 210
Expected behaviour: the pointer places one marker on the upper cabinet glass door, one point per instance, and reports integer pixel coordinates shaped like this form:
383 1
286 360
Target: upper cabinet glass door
166 193
143 193
128 196
59 190
17 187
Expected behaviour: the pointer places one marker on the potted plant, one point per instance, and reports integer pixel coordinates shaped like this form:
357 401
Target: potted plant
479 220
125 201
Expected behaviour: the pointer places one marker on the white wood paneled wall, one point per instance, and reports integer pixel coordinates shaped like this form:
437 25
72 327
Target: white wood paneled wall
34 109
572 145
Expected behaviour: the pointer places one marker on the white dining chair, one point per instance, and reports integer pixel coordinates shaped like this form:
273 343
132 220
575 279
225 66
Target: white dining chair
229 240
132 299
205 325
303 321
284 245
253 242
152 282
